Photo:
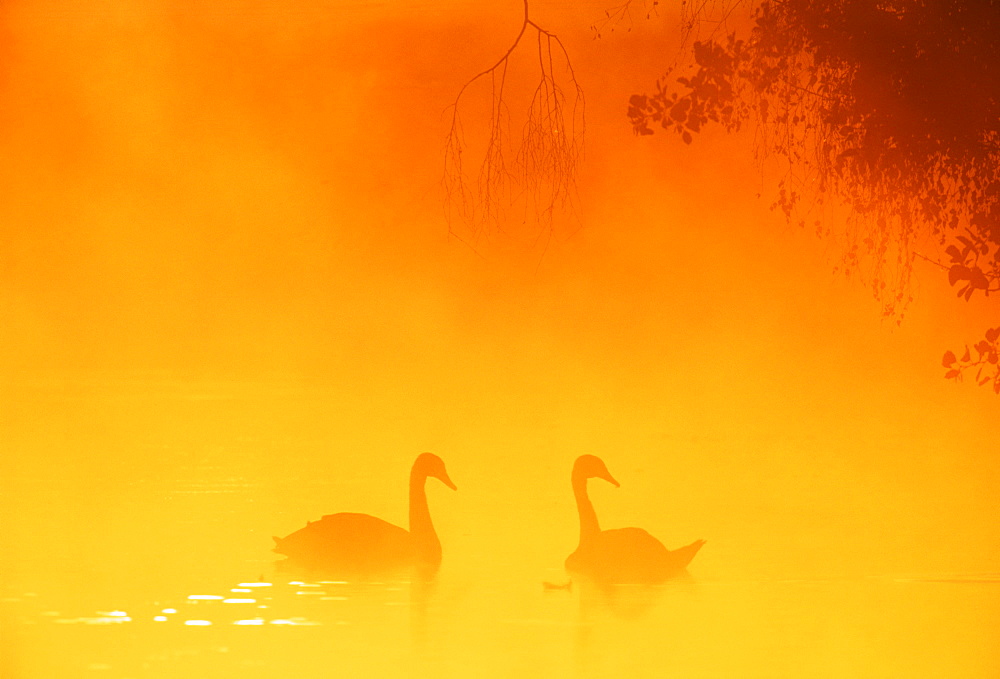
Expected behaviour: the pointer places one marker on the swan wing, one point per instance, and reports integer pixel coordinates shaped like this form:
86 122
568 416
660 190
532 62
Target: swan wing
348 540
631 541
630 555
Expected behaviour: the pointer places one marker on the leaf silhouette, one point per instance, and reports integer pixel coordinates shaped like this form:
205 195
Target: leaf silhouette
978 279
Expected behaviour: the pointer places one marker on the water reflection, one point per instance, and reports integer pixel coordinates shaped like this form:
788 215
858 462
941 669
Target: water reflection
609 612
454 627
214 604
283 602
101 618
626 602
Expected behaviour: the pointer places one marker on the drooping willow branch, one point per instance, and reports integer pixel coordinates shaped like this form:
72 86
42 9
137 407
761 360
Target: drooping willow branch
538 171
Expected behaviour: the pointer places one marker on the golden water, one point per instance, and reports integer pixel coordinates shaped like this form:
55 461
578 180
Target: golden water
157 563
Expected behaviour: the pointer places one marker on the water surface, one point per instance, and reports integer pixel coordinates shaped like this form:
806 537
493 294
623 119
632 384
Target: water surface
143 551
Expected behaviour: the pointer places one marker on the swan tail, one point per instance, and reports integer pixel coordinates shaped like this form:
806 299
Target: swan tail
277 544
684 555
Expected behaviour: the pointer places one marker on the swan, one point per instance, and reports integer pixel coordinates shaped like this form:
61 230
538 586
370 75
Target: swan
621 555
358 543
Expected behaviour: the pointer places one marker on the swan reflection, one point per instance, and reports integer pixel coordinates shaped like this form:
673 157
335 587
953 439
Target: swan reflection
626 602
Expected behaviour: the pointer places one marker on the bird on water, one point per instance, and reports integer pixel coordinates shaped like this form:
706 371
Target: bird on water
620 555
359 544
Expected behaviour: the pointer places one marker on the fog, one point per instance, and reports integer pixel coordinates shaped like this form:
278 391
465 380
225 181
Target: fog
230 303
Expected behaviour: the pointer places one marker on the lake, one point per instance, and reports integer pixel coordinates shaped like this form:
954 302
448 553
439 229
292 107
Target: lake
157 563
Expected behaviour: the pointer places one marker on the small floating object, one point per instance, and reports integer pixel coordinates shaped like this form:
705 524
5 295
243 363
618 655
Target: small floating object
568 585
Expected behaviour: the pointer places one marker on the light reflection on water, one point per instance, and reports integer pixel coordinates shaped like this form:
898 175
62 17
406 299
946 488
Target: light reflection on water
498 618
875 627
138 580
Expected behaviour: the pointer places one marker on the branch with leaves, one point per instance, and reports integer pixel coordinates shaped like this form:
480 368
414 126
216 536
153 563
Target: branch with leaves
965 267
887 108
539 170
986 363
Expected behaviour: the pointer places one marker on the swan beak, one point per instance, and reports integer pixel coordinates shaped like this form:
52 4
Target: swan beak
446 481
610 479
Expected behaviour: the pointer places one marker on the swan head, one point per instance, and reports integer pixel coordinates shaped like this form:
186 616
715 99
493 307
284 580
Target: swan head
429 464
591 467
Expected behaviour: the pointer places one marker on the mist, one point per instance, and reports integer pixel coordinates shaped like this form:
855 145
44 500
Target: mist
227 266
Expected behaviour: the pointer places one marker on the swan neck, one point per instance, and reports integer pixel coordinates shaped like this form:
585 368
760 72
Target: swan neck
588 517
421 527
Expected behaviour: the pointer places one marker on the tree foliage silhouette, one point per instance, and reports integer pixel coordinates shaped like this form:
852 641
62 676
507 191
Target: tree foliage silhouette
892 108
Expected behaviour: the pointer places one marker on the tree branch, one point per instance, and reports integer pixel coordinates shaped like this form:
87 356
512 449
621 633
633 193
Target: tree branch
544 176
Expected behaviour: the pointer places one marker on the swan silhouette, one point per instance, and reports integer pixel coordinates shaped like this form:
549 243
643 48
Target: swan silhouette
351 543
621 555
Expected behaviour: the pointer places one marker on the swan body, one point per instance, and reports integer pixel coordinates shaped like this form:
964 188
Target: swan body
622 555
350 543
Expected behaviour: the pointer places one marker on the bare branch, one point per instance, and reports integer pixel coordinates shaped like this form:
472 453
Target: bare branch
541 177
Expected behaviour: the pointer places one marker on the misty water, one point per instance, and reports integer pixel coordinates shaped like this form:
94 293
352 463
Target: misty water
142 550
